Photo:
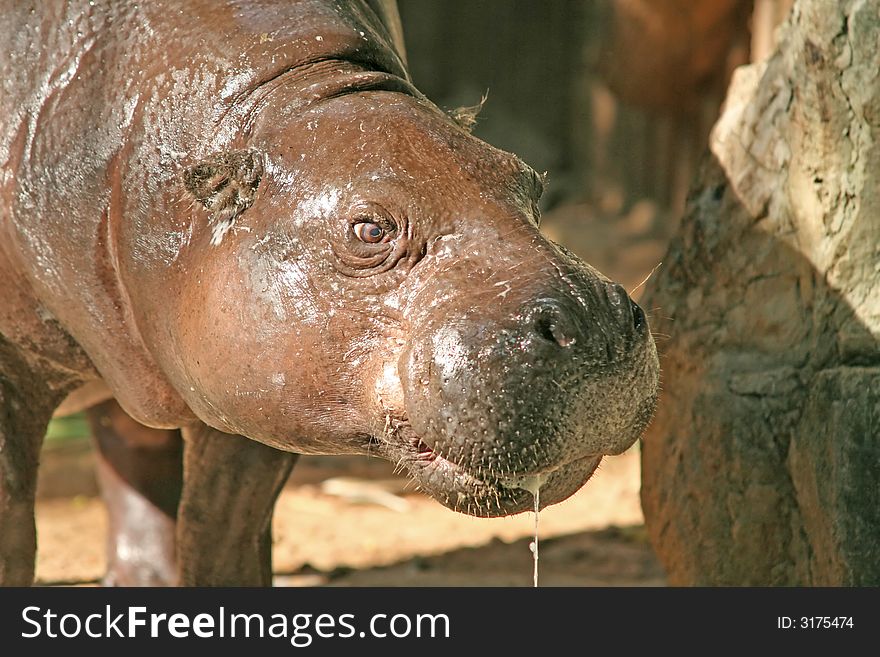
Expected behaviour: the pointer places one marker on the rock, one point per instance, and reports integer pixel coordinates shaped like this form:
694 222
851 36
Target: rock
762 466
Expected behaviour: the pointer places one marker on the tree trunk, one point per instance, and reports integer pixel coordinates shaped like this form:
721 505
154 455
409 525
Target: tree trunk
762 466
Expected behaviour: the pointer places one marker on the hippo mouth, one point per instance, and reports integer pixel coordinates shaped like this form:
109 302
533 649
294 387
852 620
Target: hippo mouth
482 494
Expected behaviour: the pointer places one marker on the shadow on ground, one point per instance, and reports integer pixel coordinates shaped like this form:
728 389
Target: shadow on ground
615 556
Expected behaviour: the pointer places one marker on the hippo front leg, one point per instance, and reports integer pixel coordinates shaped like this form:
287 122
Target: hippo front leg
25 411
224 532
140 471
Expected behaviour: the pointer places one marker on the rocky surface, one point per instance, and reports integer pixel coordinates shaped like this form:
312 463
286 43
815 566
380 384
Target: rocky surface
762 465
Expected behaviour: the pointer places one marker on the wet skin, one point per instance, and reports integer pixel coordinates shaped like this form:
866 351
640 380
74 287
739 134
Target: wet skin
462 344
272 236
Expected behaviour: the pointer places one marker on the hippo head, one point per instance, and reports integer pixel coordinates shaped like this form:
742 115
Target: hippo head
374 281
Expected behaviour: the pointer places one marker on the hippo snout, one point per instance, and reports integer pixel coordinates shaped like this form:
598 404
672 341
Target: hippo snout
542 382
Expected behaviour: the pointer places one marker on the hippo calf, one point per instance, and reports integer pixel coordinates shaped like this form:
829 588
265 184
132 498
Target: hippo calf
239 223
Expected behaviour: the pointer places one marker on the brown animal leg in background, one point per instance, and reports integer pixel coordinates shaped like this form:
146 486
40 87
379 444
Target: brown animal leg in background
224 531
140 471
23 421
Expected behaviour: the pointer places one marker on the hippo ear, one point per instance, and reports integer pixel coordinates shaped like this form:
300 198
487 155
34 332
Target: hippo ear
226 185
466 117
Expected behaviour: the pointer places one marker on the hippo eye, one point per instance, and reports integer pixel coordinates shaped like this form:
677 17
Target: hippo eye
367 231
373 240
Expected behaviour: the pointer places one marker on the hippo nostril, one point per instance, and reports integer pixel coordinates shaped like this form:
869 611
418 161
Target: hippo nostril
561 338
638 316
544 328
551 328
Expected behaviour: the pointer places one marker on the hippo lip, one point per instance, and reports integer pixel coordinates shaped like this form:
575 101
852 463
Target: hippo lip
480 493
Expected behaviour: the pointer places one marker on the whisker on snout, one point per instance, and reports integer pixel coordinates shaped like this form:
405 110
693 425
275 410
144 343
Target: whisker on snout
647 278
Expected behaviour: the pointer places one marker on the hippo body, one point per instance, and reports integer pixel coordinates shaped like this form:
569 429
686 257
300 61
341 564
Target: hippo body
239 223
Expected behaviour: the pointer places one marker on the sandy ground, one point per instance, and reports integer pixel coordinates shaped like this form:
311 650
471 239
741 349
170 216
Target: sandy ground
340 531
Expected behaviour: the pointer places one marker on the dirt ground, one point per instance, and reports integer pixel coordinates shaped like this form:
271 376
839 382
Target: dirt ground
349 522
353 524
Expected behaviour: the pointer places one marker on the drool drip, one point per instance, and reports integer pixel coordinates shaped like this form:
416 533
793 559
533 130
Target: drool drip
533 485
533 546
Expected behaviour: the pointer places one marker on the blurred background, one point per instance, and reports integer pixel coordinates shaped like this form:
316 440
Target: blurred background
614 99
